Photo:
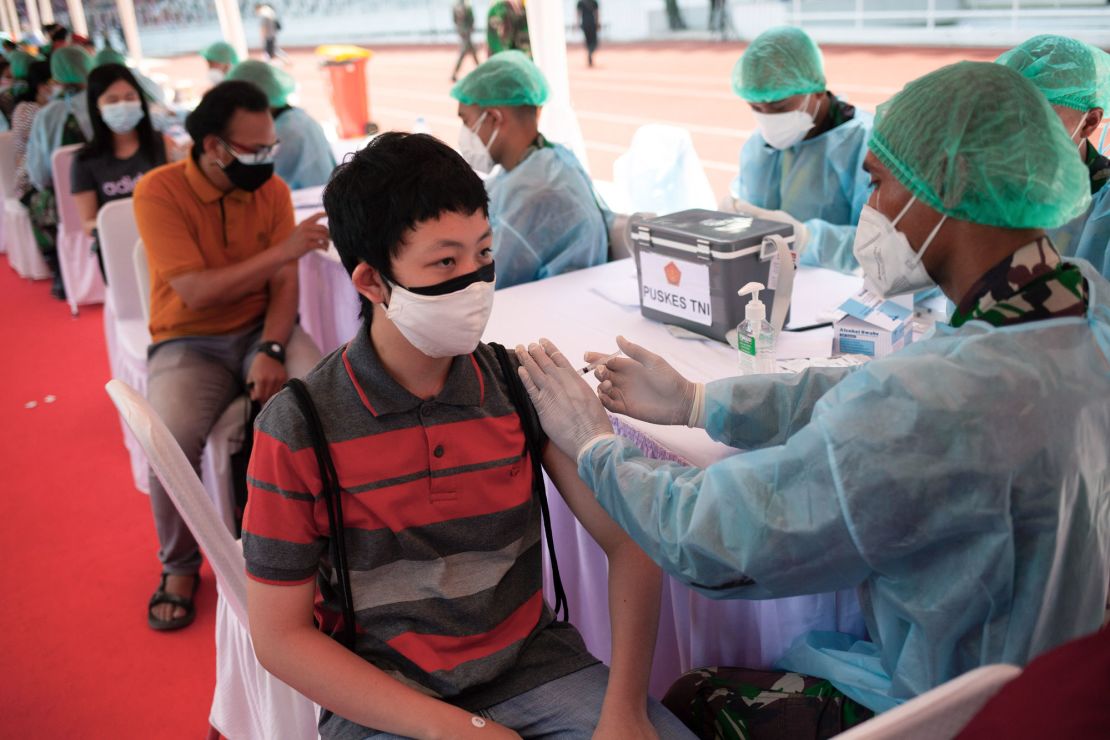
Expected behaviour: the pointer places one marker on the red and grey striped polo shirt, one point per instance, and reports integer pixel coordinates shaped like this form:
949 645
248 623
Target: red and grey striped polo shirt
442 529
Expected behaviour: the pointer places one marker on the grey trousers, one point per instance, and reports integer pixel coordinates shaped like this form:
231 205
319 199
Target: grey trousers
190 381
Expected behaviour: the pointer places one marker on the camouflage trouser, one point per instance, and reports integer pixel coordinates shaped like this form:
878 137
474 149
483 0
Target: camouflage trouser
743 704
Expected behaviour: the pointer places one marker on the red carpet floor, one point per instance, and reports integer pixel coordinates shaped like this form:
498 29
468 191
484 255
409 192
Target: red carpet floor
78 550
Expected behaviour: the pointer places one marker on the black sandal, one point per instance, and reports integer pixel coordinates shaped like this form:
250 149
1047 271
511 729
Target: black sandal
161 596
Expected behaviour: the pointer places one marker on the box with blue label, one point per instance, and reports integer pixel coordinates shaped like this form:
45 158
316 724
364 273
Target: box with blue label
868 325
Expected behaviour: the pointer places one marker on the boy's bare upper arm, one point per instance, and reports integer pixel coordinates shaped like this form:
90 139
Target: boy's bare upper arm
275 609
564 473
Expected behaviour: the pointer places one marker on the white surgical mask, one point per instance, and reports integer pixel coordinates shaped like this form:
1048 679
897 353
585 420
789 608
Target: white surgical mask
215 76
888 261
784 130
444 320
123 116
473 149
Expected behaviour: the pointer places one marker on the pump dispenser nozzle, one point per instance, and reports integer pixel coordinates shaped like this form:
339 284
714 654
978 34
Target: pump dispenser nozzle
755 310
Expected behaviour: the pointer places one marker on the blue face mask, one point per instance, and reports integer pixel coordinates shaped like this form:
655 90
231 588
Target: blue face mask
123 116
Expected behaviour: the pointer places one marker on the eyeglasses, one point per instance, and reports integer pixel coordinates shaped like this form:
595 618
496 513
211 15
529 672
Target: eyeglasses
264 154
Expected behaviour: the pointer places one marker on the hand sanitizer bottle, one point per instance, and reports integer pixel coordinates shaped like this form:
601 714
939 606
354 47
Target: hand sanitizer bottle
755 338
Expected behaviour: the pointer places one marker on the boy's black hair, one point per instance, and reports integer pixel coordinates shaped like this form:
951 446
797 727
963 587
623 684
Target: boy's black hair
395 182
217 108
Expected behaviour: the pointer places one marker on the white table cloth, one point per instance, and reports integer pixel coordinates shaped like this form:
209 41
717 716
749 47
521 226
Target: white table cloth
586 310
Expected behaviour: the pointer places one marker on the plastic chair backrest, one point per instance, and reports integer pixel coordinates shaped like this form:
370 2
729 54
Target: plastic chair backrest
61 166
142 277
7 164
661 172
185 489
938 714
115 225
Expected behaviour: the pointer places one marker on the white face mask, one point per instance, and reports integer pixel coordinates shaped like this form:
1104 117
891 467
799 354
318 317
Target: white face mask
444 320
784 130
216 76
474 150
888 261
123 116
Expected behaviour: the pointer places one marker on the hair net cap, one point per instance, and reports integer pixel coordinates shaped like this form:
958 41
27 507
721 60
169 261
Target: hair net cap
780 62
220 52
276 83
1010 165
70 65
108 55
508 78
21 63
1067 71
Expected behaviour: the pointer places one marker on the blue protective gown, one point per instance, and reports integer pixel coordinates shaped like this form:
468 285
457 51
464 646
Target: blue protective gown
305 158
1088 236
545 218
46 135
962 484
819 181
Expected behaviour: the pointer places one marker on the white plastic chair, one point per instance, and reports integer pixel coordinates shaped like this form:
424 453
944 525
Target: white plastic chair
248 701
226 437
19 239
938 714
80 272
661 173
142 276
126 332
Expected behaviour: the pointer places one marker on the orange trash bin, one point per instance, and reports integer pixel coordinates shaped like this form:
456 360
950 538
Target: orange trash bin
350 94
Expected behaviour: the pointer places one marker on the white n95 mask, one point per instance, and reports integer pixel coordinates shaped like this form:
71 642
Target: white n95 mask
474 150
784 130
888 261
215 76
447 319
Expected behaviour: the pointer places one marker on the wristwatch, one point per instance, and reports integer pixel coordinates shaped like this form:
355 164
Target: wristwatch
275 350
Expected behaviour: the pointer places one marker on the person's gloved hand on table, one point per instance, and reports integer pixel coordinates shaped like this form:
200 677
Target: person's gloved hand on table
744 208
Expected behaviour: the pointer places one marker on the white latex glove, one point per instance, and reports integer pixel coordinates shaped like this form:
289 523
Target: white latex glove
743 207
569 411
644 386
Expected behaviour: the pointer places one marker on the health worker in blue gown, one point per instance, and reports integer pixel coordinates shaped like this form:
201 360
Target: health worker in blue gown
1075 77
544 213
959 484
804 163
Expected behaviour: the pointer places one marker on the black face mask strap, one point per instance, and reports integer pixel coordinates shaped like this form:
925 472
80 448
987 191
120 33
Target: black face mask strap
484 274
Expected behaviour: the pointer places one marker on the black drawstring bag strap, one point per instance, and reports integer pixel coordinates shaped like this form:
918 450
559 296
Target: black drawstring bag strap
533 434
331 492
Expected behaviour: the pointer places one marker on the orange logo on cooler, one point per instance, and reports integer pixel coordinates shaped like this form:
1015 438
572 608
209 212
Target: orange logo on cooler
672 273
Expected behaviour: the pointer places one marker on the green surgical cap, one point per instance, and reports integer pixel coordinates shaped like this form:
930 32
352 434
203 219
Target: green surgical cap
978 142
507 78
108 55
780 62
70 65
21 62
220 52
1068 72
276 83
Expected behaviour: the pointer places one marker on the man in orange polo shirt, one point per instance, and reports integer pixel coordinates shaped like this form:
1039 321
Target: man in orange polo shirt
222 248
